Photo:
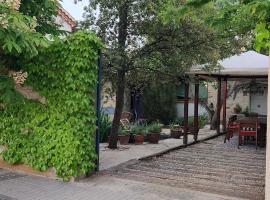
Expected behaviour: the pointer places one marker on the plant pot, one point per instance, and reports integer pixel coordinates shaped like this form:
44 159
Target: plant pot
123 139
131 139
139 139
153 137
176 133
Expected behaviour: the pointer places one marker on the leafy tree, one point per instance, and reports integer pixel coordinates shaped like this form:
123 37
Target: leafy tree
45 12
140 47
241 18
17 33
248 15
23 32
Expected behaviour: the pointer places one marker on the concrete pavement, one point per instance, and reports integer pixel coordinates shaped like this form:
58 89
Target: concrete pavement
111 158
19 186
25 187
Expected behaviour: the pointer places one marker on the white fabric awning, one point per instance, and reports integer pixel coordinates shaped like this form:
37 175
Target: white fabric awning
249 63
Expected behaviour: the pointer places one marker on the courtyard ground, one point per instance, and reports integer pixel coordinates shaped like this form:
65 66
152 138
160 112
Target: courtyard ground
210 166
24 187
210 170
111 158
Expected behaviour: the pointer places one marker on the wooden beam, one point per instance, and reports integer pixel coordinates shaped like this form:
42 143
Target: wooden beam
206 77
196 110
218 105
225 90
229 77
185 140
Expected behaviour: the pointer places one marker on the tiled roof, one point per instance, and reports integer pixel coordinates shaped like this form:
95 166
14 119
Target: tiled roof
66 16
60 11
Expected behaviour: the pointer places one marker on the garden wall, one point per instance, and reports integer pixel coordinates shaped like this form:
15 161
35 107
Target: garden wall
59 132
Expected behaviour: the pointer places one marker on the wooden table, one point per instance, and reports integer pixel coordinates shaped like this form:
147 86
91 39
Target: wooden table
262 121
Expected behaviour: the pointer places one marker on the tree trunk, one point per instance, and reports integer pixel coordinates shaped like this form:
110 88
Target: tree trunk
120 91
208 110
214 122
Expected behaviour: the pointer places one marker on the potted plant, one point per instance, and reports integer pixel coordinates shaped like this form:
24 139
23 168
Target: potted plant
237 109
123 136
139 132
176 131
153 134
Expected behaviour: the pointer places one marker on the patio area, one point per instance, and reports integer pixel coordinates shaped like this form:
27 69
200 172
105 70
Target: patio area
111 158
210 166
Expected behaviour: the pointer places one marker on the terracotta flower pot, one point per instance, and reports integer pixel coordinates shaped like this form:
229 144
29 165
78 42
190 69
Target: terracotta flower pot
123 139
139 139
176 133
153 137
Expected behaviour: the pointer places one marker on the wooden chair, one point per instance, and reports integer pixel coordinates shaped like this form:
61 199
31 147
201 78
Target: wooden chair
248 128
125 119
231 128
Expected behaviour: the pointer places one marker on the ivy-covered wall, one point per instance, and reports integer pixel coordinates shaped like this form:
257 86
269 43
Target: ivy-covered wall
59 133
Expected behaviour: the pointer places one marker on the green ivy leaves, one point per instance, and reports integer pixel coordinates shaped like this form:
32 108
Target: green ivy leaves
59 134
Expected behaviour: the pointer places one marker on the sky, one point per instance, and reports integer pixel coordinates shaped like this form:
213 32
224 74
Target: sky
76 10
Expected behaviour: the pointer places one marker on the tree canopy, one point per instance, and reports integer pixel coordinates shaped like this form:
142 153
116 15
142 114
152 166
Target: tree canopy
44 12
23 31
141 47
241 16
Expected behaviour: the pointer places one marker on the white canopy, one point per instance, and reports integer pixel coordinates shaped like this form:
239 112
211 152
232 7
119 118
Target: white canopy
249 63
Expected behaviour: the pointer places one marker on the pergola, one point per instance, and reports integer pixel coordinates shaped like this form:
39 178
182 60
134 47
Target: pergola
246 66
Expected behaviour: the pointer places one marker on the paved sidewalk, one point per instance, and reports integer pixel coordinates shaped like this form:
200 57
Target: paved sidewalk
99 188
111 158
18 186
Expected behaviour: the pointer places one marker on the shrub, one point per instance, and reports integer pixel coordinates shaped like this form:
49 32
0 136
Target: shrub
237 108
159 102
245 112
202 121
154 128
105 126
175 126
139 130
122 131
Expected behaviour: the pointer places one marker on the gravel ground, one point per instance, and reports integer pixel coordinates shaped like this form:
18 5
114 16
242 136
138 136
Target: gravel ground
210 166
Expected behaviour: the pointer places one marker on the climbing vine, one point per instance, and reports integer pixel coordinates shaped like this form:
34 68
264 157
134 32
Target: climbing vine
59 133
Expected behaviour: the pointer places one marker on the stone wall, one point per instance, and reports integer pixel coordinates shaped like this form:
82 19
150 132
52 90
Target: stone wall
243 101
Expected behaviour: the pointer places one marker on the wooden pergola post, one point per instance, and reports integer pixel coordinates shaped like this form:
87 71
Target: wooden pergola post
218 105
225 90
196 109
186 102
